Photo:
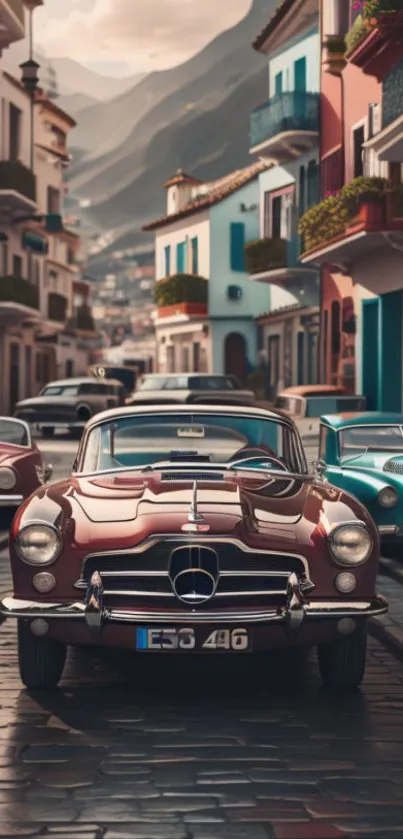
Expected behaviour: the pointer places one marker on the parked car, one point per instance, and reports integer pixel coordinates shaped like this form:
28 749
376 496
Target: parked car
70 403
363 455
185 388
192 530
22 467
313 400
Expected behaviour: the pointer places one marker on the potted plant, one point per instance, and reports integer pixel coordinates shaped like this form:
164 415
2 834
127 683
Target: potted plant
364 200
334 55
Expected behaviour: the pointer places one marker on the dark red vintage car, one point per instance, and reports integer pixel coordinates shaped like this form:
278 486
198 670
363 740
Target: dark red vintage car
22 468
187 531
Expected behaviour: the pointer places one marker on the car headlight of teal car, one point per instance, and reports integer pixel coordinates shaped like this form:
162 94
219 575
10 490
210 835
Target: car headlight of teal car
350 544
388 497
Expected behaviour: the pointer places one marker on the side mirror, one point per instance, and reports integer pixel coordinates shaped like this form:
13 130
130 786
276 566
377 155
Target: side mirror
319 468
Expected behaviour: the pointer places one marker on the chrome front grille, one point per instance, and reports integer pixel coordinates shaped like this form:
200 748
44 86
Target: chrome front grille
395 466
252 578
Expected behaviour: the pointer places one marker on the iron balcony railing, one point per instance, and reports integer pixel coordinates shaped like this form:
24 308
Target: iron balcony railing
295 111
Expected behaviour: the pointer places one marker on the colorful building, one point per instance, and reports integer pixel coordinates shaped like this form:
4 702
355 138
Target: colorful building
284 134
355 235
206 304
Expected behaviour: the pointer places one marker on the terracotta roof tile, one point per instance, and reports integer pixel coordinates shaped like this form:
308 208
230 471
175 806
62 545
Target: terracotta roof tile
181 177
275 19
213 193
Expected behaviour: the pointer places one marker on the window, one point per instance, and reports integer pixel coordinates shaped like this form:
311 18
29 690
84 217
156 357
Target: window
17 266
336 325
313 183
4 259
180 257
195 255
53 201
301 197
267 216
324 432
276 217
278 84
196 357
14 133
167 260
237 234
358 142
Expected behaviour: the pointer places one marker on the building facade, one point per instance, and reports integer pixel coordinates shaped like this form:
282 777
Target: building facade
355 234
284 133
38 253
206 305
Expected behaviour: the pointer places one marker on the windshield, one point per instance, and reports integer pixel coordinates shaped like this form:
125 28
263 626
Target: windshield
13 432
214 438
355 442
60 390
153 383
211 383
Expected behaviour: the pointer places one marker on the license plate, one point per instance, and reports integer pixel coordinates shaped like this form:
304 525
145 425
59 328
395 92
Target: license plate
184 639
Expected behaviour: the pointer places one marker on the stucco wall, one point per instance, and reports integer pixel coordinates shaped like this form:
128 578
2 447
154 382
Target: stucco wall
197 225
255 298
307 46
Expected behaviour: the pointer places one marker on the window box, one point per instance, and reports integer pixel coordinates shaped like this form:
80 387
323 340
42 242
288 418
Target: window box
181 288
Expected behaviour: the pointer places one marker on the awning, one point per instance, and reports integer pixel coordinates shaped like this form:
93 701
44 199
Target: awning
34 242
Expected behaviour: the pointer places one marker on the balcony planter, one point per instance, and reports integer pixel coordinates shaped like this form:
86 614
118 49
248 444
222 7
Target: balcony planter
190 309
265 255
54 223
19 290
181 288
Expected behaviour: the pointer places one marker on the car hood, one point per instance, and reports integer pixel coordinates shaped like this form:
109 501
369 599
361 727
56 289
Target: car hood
372 465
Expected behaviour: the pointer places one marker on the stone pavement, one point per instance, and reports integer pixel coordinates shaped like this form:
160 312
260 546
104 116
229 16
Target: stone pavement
245 748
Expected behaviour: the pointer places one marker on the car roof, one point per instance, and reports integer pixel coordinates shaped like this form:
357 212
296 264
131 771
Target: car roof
349 420
138 410
83 380
188 375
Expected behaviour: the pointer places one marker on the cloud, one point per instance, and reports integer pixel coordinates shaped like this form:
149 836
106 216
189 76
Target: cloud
148 34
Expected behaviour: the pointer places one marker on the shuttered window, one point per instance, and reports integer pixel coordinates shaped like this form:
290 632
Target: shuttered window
181 257
237 235
167 258
195 256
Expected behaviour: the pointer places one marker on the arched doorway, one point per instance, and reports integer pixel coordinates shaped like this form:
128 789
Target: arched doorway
235 356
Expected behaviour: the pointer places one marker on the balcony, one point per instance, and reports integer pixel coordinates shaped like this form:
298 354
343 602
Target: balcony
81 321
276 262
285 127
57 307
17 188
19 300
347 227
12 22
182 294
374 40
387 143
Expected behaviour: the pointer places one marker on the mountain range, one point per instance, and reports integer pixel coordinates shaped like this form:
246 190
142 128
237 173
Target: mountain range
194 116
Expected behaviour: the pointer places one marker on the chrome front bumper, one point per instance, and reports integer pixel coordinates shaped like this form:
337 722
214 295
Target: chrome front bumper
292 615
11 500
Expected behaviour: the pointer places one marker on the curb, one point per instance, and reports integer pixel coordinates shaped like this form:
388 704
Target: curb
391 637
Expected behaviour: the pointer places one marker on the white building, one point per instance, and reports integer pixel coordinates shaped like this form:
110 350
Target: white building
206 303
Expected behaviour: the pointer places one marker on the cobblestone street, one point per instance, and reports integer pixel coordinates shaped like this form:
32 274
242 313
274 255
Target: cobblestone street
187 749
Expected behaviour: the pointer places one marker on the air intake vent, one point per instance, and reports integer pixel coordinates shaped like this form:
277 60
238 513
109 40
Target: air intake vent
394 465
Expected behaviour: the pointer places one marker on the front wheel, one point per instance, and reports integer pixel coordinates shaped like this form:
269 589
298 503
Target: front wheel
342 661
41 659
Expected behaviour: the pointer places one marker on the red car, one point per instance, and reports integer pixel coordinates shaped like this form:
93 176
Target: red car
188 531
22 469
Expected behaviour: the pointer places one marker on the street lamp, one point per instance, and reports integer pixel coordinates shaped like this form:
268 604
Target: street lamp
30 73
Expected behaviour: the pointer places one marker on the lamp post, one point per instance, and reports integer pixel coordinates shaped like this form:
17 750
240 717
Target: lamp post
30 72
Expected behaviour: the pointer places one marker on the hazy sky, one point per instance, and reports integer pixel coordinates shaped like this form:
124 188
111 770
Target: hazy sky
126 36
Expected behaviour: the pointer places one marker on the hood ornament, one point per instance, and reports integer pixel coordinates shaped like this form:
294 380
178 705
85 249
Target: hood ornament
196 522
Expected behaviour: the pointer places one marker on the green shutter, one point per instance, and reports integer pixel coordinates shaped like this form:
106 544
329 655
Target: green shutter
180 258
195 256
278 84
167 260
237 246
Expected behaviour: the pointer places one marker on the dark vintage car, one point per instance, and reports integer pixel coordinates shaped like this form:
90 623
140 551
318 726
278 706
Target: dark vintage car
170 388
308 401
192 531
22 467
70 403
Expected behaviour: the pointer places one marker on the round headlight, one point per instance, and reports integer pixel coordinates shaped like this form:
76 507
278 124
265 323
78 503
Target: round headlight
37 544
8 478
388 497
350 544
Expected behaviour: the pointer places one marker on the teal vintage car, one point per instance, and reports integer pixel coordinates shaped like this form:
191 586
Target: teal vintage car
363 455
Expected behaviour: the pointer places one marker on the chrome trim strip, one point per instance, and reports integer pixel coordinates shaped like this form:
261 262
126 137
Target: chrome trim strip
108 592
11 500
334 610
195 541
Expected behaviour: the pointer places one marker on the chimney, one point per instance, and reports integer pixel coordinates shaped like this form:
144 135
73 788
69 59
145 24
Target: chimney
179 191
